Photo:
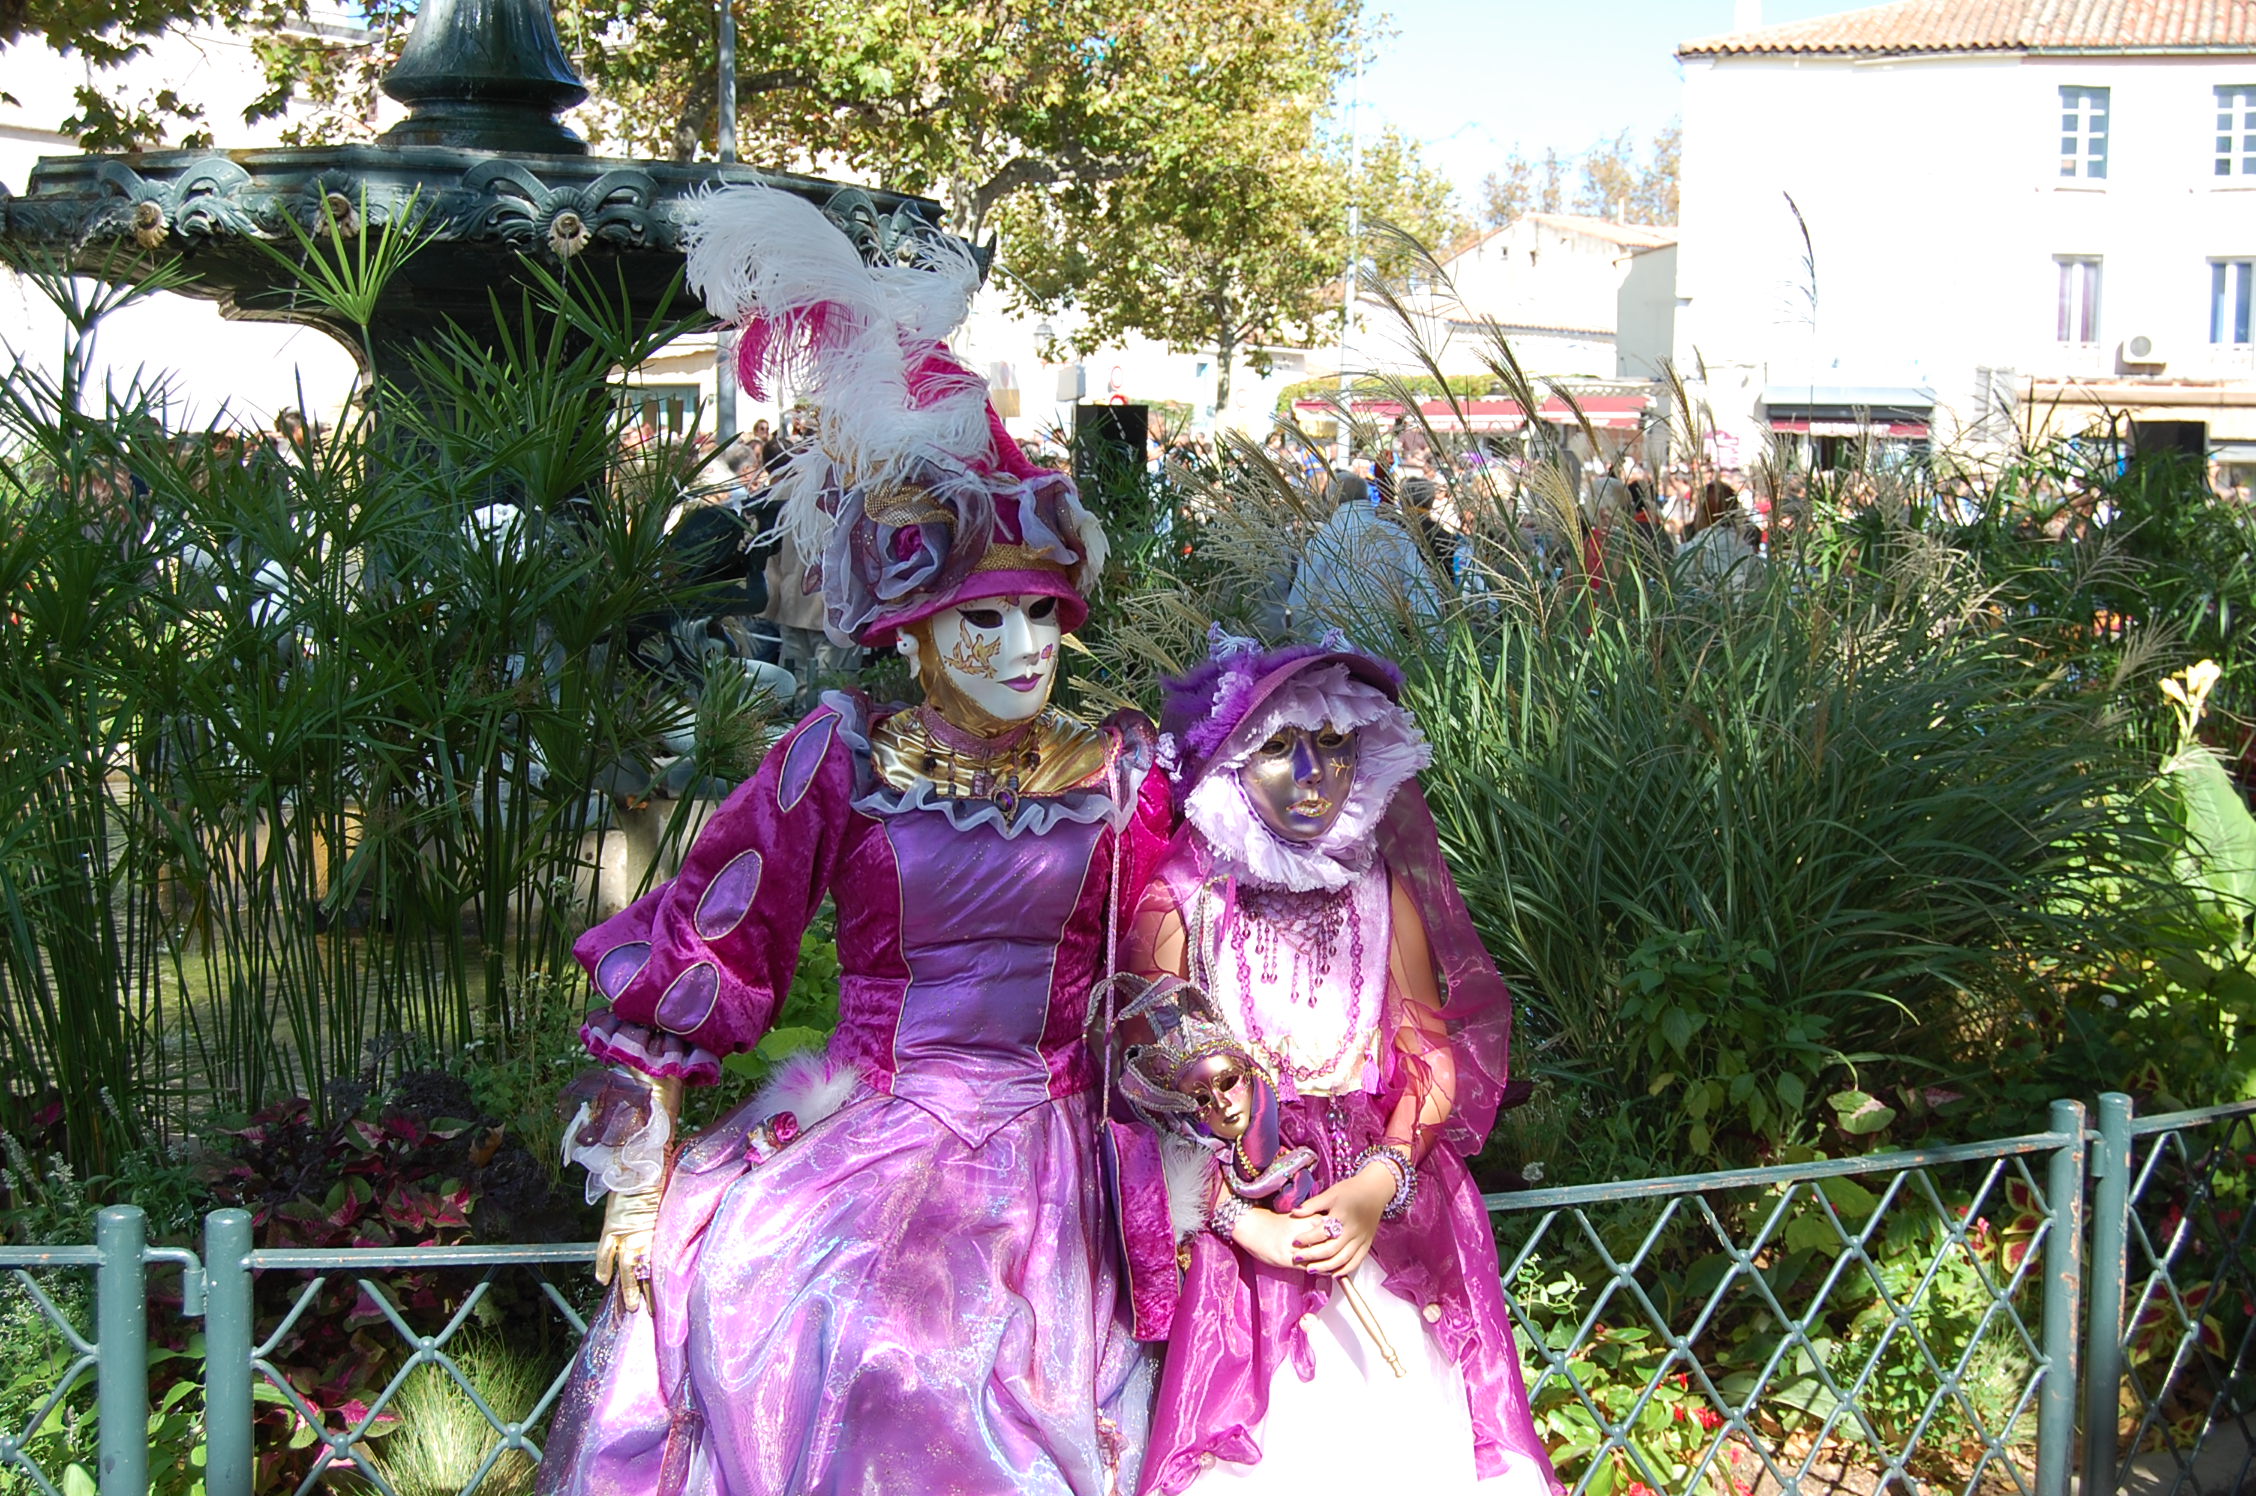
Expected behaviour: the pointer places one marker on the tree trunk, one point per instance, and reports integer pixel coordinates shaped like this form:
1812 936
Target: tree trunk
1225 354
695 121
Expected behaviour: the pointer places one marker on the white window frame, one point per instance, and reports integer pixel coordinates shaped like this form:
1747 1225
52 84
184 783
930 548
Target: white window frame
2084 111
2078 310
2236 130
2232 289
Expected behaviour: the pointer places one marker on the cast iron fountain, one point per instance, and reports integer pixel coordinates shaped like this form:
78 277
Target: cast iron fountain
481 159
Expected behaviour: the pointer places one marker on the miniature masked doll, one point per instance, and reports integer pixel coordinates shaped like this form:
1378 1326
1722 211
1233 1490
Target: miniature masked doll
887 1273
1198 1081
1305 894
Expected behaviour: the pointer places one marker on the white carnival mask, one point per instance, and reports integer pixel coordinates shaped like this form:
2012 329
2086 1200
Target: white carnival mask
998 655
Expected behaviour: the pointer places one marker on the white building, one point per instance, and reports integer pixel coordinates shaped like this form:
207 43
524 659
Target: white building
1577 297
1973 216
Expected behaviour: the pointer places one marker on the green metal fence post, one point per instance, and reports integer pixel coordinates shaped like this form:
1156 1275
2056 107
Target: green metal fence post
227 1353
2064 1288
2110 1270
121 1328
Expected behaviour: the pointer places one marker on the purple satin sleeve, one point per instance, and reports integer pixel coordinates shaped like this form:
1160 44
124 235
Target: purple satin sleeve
1476 1006
693 969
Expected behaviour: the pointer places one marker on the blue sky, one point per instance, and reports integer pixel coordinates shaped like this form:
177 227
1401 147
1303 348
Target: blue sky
1472 79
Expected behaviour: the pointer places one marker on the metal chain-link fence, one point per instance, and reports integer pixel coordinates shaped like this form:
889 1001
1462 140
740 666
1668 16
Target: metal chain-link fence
1934 1320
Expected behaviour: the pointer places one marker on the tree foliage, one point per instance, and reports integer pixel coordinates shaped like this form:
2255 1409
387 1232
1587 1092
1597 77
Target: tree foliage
1236 250
1520 186
1159 169
1394 186
971 101
104 32
1156 167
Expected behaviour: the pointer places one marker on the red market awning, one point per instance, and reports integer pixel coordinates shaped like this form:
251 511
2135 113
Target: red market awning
1604 412
1908 430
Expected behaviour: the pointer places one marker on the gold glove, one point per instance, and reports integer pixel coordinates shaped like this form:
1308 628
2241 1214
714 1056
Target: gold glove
630 1224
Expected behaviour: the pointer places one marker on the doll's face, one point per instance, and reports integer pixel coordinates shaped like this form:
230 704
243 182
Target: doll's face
1224 1092
999 654
1298 781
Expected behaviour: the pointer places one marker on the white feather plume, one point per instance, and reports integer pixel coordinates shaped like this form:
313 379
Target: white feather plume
758 253
1190 1174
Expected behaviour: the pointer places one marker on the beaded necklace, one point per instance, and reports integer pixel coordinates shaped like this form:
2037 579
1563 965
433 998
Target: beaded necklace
1262 921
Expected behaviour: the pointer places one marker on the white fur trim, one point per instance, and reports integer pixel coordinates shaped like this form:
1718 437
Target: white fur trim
809 1085
1190 1174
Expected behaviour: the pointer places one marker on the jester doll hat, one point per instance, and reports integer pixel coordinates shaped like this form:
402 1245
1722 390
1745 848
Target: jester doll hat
916 499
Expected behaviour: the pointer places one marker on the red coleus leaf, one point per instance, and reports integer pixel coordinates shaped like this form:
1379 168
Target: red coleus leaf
407 1129
408 1209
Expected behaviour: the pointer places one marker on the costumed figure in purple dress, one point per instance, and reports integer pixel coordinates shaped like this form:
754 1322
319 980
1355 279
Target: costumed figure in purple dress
1338 1050
888 1272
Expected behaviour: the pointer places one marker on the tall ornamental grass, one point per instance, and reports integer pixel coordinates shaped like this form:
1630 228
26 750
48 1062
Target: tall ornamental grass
1841 846
306 751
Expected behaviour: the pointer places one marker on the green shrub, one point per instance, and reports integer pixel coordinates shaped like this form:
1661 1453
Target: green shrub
298 762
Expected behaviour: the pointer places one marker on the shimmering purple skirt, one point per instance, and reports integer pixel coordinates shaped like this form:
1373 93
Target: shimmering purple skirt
880 1308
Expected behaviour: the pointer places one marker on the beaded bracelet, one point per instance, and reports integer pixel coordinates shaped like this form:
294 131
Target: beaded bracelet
1397 1158
1222 1220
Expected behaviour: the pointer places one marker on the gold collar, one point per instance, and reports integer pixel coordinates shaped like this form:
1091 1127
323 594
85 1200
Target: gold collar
1053 753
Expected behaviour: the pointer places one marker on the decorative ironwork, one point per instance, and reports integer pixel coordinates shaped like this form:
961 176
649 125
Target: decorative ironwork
350 1444
80 1358
1788 1325
498 201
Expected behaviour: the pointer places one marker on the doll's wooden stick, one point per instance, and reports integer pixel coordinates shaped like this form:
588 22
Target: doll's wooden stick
1371 1324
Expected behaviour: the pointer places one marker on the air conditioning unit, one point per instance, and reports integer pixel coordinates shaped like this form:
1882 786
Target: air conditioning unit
2141 351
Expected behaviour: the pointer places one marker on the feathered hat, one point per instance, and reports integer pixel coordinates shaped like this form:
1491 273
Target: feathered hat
916 500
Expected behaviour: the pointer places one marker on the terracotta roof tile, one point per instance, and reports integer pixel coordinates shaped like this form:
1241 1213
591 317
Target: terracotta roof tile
1923 26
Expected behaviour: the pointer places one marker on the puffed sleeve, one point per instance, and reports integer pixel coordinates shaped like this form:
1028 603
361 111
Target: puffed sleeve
694 969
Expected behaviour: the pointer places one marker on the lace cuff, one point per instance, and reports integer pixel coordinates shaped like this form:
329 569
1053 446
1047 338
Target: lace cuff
618 1133
653 1051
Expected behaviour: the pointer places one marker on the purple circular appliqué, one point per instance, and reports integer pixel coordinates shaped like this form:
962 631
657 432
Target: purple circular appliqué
802 759
728 898
689 1001
618 967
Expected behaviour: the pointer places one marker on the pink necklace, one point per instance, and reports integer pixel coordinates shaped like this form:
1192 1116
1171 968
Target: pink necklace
1270 919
